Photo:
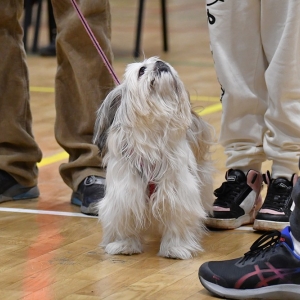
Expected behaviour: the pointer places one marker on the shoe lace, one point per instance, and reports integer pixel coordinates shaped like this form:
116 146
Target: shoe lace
266 243
278 198
227 192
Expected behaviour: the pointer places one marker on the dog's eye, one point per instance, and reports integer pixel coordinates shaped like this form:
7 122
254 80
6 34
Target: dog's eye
142 71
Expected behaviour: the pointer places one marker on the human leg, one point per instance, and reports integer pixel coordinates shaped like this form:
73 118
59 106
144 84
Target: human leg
19 152
240 65
82 82
280 31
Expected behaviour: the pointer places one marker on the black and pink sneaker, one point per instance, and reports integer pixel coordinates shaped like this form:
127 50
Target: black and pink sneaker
237 200
277 207
270 270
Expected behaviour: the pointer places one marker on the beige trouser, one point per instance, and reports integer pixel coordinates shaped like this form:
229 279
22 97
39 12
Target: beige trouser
82 81
256 49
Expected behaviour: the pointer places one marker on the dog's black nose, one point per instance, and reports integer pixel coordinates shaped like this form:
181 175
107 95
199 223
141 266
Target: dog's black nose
162 67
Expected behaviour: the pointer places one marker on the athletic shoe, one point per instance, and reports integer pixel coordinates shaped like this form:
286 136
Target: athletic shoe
270 270
90 191
238 200
10 189
276 209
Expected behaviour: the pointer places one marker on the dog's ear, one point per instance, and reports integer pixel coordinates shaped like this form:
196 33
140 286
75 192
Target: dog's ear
105 117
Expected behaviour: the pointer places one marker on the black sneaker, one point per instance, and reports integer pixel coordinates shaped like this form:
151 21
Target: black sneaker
276 210
270 270
238 200
90 191
10 189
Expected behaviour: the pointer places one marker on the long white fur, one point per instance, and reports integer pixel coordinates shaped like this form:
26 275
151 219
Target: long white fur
148 134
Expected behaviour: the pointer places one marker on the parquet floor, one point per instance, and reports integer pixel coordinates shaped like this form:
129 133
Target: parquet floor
48 249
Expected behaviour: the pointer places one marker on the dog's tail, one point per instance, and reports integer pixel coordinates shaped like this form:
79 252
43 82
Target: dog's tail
200 137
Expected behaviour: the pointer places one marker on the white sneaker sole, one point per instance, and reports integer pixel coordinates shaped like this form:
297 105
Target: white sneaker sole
262 225
280 291
229 223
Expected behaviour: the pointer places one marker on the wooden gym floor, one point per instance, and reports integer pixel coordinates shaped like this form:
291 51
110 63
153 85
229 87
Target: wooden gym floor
49 250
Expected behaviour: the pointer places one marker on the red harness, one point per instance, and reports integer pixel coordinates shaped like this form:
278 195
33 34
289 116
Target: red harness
151 188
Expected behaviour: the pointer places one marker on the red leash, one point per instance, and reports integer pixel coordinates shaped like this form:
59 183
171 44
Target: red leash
95 42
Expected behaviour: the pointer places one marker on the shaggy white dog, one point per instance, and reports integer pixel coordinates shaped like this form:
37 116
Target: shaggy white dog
156 151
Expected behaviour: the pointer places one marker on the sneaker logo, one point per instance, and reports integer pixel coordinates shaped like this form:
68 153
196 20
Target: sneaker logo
271 273
282 185
89 180
231 178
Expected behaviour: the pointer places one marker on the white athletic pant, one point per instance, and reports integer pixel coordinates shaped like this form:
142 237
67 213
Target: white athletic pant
256 50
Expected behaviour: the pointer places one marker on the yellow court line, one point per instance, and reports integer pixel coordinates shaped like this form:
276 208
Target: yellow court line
53 159
41 89
204 98
209 109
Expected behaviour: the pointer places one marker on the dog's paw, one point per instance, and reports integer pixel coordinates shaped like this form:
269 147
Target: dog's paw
176 252
127 247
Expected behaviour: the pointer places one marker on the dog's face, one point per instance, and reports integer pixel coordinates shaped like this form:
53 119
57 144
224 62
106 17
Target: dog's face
151 97
152 76
154 89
